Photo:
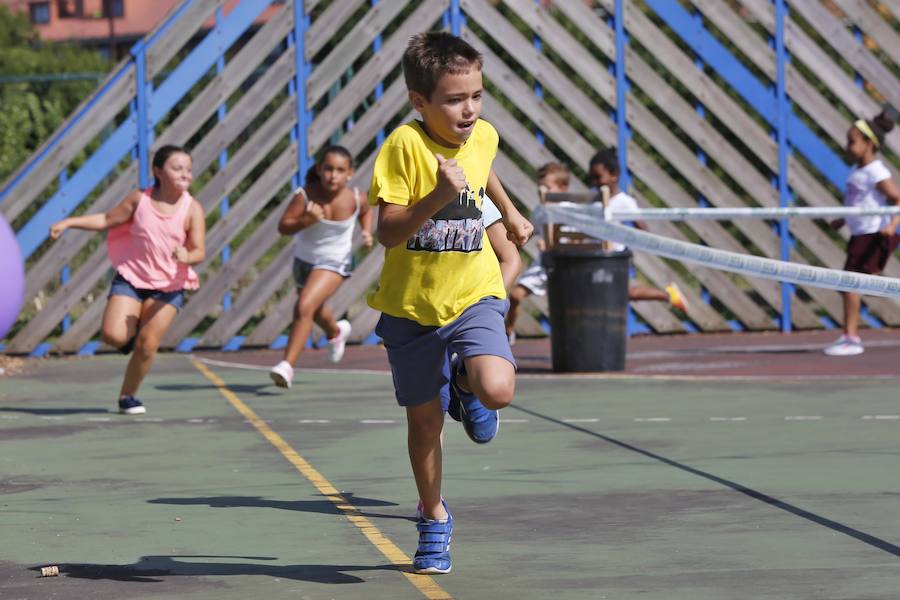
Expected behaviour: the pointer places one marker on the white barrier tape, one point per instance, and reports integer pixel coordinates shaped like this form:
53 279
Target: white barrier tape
743 264
729 214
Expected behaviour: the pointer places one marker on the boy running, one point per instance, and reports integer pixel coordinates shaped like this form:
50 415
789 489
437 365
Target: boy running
441 291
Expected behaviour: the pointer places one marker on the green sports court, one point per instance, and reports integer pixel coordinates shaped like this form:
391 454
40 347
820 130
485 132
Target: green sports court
696 484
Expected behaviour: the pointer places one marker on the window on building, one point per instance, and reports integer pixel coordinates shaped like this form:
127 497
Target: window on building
114 9
40 13
70 9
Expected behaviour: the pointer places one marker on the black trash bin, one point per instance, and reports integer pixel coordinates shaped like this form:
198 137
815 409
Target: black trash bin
588 294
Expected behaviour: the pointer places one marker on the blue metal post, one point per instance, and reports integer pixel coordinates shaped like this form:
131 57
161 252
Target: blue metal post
622 131
456 18
225 204
379 89
784 194
302 70
143 123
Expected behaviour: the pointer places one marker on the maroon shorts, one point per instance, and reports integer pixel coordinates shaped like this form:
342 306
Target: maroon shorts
868 253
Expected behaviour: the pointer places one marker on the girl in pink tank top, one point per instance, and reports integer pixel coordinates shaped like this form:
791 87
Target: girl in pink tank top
155 236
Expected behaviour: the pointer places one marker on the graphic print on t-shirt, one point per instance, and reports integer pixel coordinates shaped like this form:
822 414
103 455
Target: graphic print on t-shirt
458 227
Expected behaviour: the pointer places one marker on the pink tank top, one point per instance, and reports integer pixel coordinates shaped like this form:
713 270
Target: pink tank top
142 250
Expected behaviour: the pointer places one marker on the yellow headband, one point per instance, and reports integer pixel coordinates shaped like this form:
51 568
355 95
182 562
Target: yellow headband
867 131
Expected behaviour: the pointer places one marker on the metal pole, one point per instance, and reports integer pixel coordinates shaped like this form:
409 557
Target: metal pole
784 108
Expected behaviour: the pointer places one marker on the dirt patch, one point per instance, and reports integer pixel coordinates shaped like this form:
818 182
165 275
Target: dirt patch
10 365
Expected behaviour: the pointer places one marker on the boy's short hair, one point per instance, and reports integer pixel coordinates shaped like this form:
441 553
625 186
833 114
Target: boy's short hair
431 54
608 159
558 171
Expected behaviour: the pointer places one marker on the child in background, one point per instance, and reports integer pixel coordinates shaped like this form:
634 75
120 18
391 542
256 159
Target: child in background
604 170
873 238
155 235
553 177
322 218
441 288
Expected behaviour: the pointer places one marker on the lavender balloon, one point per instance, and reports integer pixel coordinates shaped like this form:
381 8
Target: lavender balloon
12 278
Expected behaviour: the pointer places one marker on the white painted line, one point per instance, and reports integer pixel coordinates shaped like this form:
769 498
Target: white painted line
803 418
316 421
377 421
515 420
652 419
99 419
53 418
250 367
581 420
881 417
728 418
195 420
10 417
149 420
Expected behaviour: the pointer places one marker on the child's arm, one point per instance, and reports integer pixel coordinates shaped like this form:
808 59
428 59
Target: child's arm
398 223
365 224
892 195
194 249
518 228
299 214
507 254
119 214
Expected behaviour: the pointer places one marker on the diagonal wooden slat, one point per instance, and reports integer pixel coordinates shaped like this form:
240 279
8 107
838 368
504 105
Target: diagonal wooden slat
382 63
328 23
357 41
835 33
247 303
179 33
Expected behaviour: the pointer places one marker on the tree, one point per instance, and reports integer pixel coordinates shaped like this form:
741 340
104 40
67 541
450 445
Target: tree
40 85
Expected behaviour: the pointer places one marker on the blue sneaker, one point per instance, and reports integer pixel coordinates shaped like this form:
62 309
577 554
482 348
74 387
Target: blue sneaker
433 554
480 423
129 405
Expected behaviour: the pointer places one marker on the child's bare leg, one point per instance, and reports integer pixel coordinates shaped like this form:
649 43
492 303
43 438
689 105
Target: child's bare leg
518 293
645 293
324 318
156 316
319 286
120 320
491 378
852 305
425 423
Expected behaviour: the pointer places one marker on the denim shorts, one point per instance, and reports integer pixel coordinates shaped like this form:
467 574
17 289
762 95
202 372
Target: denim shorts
302 269
419 354
121 287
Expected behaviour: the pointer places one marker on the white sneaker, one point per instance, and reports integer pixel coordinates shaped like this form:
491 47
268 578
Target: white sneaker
282 374
338 344
845 346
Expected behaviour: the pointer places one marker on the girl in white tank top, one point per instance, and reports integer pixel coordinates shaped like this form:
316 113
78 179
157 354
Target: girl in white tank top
322 217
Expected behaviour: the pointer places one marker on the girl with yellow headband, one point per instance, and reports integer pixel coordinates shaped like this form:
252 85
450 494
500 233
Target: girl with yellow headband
872 238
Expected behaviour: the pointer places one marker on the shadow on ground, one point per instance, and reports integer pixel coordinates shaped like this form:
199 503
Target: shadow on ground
324 506
152 569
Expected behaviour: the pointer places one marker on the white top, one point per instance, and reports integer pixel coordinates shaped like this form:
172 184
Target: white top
621 202
326 241
861 191
490 214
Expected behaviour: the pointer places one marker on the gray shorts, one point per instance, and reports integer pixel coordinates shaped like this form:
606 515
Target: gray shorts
302 269
419 355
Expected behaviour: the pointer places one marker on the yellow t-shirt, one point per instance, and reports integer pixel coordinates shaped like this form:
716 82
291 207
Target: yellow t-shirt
448 265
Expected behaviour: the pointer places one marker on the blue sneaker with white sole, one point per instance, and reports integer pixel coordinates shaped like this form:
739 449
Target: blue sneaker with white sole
433 554
481 424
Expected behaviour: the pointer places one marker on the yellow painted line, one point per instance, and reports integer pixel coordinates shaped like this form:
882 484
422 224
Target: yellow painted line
425 584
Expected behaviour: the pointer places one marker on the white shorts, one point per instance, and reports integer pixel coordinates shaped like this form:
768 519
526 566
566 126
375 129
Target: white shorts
535 279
